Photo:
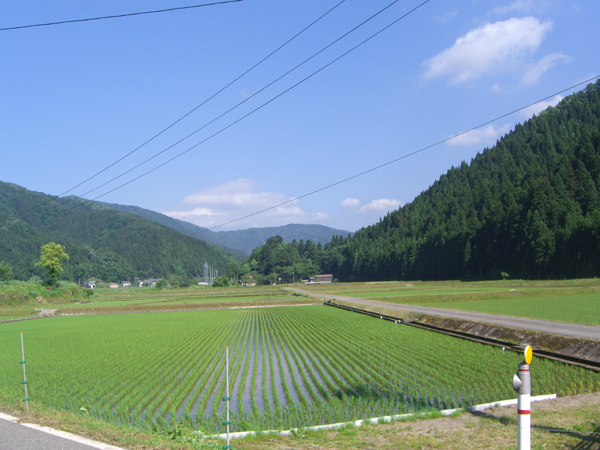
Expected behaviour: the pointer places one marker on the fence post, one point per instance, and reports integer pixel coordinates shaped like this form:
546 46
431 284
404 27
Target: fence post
227 398
24 382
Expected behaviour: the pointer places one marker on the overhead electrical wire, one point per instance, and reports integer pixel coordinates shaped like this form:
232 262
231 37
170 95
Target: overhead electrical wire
118 16
251 112
237 105
380 166
186 114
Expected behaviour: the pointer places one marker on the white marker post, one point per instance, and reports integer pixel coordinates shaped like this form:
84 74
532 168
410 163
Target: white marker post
522 384
227 398
24 382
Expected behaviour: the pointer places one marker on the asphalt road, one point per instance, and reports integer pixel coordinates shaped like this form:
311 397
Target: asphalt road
545 326
14 436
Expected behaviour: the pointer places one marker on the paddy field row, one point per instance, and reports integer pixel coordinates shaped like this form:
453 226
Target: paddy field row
289 367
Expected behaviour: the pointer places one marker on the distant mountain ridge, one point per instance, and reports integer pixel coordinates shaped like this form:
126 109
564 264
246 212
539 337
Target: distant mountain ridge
239 240
101 242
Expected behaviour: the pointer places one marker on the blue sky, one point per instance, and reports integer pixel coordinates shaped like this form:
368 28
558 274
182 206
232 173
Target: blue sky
77 97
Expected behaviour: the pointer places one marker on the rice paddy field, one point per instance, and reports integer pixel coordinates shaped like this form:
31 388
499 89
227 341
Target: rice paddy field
575 301
289 367
21 303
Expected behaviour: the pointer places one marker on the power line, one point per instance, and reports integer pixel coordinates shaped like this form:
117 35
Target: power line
251 112
394 160
183 117
118 16
237 105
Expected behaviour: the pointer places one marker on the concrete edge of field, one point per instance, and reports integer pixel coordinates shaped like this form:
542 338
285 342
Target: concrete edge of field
61 434
376 420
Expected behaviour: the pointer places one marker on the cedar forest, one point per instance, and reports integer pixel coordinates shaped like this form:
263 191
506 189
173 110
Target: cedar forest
529 207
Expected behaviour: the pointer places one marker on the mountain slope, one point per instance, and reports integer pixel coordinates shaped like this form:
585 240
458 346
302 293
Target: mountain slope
529 206
240 240
100 241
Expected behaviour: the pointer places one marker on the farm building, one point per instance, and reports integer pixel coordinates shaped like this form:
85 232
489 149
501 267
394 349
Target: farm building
324 278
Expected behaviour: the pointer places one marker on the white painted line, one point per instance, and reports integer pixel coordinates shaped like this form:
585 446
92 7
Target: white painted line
72 437
9 417
376 420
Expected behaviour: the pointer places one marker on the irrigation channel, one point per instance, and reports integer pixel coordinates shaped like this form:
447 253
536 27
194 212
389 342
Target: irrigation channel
289 367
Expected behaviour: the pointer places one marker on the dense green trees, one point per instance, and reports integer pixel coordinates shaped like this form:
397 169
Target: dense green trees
529 206
277 261
6 271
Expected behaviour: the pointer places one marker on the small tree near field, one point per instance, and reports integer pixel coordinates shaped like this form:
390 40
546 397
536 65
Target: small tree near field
51 260
221 282
6 272
504 275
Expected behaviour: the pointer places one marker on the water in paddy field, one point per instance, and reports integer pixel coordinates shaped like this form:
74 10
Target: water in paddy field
289 367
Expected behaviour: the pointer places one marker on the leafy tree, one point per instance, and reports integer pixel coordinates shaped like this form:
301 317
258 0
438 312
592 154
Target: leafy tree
233 271
6 271
51 260
221 281
175 281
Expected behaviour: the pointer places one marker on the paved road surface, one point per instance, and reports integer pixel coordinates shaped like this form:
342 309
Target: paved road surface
14 436
545 326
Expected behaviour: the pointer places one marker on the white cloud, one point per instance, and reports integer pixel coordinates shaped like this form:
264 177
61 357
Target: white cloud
520 6
528 112
225 202
493 48
446 17
320 217
381 205
183 215
479 136
351 203
534 73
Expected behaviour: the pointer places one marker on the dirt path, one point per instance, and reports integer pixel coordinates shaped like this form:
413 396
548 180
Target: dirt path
545 326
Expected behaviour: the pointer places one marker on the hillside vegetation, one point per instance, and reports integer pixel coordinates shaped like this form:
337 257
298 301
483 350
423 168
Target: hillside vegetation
243 241
529 207
100 241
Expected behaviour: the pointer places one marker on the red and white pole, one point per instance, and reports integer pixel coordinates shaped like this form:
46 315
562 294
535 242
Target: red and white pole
522 384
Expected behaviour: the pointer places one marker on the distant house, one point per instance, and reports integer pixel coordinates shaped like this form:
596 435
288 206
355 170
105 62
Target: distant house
202 283
324 278
125 283
151 283
113 285
91 285
140 283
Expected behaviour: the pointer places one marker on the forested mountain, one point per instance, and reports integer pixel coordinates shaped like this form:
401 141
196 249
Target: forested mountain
240 240
247 240
529 206
100 241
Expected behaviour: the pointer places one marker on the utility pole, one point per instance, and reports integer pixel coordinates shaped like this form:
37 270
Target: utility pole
522 385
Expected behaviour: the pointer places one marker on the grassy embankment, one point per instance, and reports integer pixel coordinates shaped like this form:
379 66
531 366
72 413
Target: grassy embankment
574 301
